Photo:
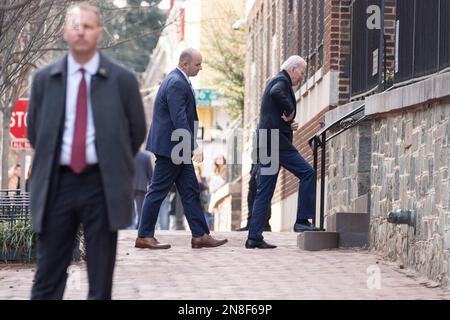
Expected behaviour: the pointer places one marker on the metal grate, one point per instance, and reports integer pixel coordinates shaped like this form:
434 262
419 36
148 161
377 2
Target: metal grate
14 205
444 40
423 38
365 42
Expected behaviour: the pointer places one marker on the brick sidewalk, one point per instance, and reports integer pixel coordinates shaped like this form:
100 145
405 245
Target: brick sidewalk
233 272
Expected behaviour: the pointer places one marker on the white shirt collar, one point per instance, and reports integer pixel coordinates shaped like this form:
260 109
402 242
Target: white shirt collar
184 74
91 66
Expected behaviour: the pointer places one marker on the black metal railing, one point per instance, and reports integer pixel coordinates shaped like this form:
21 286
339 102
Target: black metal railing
16 236
14 205
320 139
17 239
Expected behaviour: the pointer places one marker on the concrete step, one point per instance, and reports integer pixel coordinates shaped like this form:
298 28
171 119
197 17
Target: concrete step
317 240
353 228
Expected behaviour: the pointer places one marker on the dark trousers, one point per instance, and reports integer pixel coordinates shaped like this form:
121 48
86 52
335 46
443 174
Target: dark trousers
164 176
252 187
139 197
293 162
77 199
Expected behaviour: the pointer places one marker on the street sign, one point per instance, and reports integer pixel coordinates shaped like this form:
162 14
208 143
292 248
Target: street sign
206 97
18 125
19 144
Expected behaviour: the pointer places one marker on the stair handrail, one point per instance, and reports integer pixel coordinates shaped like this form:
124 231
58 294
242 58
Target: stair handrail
320 139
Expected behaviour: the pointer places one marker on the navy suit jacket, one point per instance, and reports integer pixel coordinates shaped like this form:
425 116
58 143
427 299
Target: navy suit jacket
174 108
278 99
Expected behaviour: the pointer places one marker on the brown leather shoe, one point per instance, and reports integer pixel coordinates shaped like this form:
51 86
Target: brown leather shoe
150 243
206 241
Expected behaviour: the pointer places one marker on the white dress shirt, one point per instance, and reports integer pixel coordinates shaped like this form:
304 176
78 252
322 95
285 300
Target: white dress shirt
73 83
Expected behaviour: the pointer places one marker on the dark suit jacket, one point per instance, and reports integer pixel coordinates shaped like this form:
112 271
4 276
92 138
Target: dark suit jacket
119 131
174 108
278 99
143 171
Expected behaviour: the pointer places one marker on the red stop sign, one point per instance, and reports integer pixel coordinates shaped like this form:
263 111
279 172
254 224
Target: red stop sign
18 125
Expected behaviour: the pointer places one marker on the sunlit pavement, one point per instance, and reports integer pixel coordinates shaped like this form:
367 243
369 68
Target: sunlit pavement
233 272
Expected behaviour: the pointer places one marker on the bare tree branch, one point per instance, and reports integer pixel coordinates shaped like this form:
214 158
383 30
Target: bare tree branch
25 27
14 6
30 32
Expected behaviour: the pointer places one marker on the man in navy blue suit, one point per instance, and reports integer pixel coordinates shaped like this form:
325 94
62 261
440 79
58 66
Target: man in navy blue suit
278 110
174 115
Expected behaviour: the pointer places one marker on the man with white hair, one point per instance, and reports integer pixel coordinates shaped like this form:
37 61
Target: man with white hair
278 110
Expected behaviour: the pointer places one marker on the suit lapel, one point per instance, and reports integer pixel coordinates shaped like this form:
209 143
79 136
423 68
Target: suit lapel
99 92
57 91
285 76
55 112
191 90
294 101
189 86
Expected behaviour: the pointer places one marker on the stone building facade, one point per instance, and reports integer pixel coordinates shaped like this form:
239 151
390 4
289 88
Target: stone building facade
400 158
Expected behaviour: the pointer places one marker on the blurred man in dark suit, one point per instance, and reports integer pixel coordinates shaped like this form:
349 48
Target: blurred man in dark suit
85 122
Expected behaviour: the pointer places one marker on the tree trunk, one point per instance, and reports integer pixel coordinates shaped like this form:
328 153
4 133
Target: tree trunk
7 106
5 147
1 148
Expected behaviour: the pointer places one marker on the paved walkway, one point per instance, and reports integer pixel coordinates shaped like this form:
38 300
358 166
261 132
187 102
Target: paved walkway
233 272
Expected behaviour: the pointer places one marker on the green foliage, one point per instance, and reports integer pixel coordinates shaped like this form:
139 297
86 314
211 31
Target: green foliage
134 31
17 236
226 56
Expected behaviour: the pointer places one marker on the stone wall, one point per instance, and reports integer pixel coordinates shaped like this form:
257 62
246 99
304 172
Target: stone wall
401 158
349 169
410 161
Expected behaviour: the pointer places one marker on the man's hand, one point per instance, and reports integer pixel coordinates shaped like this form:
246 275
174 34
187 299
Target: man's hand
288 118
197 155
294 125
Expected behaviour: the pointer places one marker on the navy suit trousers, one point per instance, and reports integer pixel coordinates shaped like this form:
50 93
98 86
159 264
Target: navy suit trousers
306 205
167 173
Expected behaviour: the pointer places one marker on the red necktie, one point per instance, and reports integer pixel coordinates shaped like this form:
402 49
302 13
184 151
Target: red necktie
78 158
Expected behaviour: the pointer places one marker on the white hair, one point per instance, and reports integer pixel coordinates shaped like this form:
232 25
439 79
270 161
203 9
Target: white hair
291 62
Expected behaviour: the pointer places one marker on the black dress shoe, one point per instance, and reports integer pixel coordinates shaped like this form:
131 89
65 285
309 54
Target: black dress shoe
301 227
252 244
243 229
